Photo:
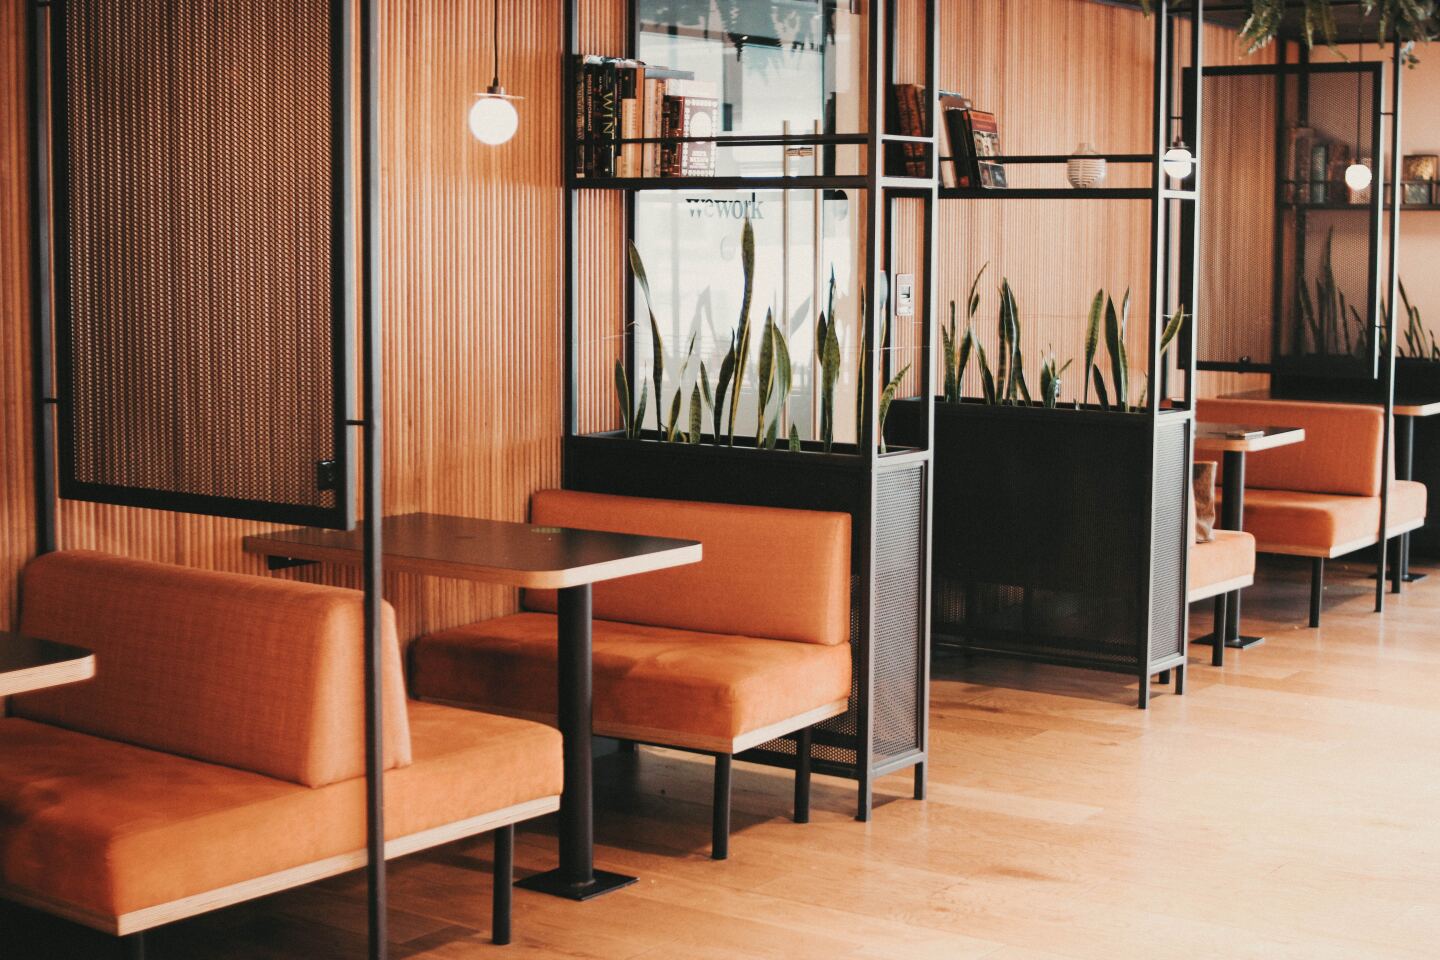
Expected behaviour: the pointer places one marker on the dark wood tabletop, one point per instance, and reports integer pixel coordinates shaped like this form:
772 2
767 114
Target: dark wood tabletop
27 664
492 551
1241 438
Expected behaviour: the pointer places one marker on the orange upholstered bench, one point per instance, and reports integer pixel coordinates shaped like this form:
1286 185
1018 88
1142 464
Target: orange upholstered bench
1218 568
750 644
218 754
1319 498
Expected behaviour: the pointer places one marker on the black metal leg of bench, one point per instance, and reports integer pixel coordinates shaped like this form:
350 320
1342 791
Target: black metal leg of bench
1180 679
920 781
134 946
720 814
1144 689
1163 677
802 776
504 884
1317 588
1217 652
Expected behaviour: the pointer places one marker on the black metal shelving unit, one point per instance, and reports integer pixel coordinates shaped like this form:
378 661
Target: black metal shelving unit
887 495
1373 376
1018 546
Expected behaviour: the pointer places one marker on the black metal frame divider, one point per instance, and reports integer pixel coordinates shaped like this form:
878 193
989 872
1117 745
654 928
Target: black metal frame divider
1379 386
887 496
354 50
1033 585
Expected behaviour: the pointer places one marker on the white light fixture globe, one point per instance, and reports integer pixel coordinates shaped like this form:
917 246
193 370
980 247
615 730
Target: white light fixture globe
1358 177
1178 161
493 119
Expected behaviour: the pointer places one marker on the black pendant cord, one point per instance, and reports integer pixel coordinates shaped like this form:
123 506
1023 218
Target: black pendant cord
1359 96
495 40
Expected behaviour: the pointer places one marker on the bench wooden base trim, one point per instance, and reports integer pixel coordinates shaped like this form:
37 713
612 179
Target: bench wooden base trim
163 913
1224 586
669 738
1339 550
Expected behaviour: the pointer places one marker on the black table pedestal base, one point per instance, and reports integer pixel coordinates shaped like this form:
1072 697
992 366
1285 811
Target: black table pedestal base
1410 577
1239 643
554 883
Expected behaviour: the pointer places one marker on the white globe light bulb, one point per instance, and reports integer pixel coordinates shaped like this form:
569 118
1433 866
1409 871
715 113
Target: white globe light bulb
1358 176
493 120
1177 162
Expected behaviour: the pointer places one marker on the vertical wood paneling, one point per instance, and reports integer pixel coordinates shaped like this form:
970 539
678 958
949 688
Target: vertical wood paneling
17 514
472 303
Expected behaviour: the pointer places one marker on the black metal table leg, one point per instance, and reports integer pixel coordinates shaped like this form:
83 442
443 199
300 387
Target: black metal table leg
1404 470
576 878
1232 517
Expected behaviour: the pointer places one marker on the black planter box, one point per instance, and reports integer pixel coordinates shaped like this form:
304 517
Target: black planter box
885 728
1059 535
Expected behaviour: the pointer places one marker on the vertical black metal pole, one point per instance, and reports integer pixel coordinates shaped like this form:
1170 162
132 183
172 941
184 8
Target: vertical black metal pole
569 404
577 817
41 308
1392 281
372 413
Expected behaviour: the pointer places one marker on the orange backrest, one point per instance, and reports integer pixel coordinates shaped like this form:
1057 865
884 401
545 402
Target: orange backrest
250 672
1339 455
766 572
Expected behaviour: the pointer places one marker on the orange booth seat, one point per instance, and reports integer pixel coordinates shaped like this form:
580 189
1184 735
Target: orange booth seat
1320 498
1218 568
218 754
750 644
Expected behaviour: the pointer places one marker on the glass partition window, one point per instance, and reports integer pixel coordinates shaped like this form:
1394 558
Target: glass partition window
691 247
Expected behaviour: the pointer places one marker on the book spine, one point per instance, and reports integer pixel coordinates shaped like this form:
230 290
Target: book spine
1319 167
581 116
632 80
697 115
650 126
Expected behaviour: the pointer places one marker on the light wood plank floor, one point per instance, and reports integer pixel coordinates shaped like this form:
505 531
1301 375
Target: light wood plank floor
1283 808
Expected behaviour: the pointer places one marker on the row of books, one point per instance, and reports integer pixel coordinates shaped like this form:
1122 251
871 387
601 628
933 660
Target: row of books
970 138
1316 170
620 101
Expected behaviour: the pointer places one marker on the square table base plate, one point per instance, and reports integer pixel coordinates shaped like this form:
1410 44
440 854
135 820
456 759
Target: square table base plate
553 883
1243 643
1411 577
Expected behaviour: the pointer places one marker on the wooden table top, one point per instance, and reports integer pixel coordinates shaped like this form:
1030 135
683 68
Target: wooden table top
28 664
491 551
1228 437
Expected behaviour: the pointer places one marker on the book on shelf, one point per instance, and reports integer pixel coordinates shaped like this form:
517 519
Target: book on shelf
690 110
910 106
618 100
985 135
1319 170
955 122
1297 165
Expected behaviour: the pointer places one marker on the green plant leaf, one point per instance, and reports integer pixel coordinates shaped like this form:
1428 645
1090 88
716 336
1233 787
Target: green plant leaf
887 398
727 371
967 343
1101 396
637 267
1172 328
742 338
766 373
1092 335
640 408
795 438
697 412
673 430
947 344
1115 343
622 395
973 303
987 379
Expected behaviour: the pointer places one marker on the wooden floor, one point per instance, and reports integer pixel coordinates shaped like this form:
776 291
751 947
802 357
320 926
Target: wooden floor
1287 807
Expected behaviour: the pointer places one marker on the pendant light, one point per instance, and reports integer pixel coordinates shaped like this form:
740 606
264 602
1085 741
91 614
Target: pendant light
1178 160
493 119
1358 176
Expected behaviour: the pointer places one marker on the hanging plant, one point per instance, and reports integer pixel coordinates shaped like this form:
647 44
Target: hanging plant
1409 21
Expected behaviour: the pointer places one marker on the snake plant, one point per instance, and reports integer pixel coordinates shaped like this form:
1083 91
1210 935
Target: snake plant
887 397
827 349
774 383
1050 380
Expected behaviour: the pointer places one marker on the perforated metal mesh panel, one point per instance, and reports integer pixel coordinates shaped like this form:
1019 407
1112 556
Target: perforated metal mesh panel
1288 272
899 580
199 305
1170 522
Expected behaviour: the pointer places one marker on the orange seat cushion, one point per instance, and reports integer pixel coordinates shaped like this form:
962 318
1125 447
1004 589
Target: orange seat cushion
256 673
1339 455
1325 525
679 687
1229 557
102 828
766 572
